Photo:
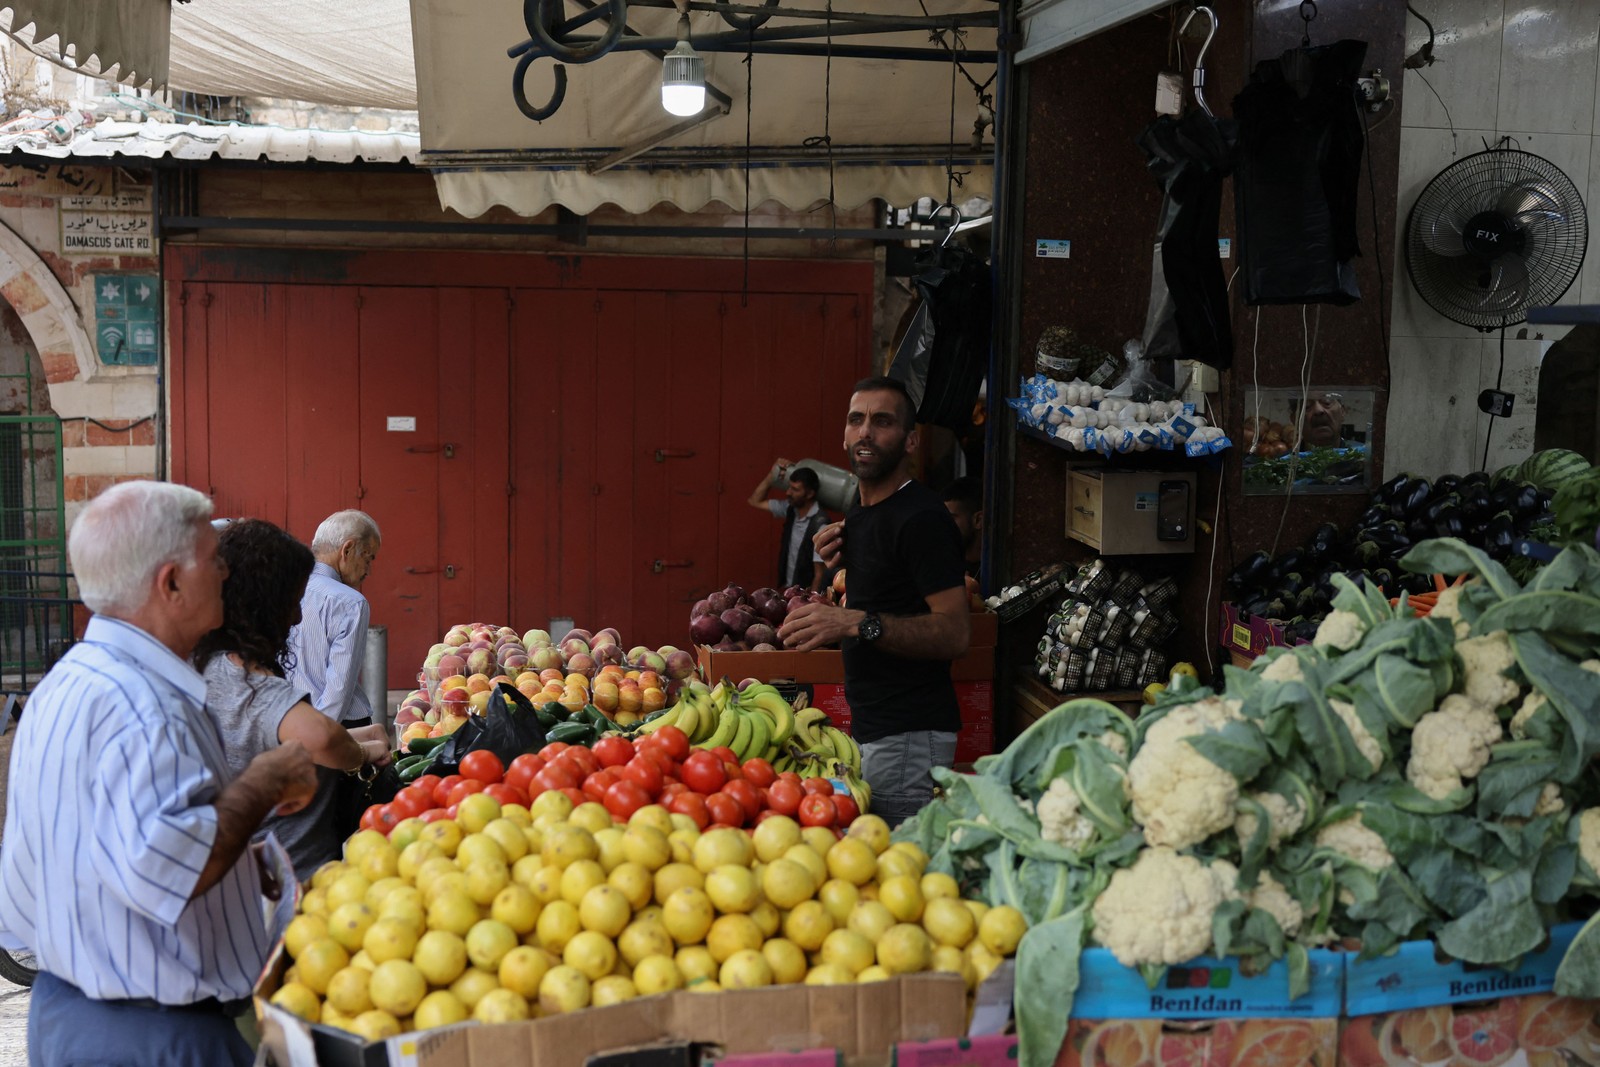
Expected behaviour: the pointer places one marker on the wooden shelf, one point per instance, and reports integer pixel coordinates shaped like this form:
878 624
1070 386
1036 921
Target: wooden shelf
1156 457
1032 699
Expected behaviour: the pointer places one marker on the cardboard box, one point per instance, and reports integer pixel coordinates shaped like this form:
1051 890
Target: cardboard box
1248 635
862 1022
1207 988
976 700
992 1050
1415 977
1212 1043
824 666
1536 1031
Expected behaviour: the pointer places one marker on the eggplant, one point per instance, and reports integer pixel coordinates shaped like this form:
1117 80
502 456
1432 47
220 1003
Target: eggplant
1256 607
1477 480
1382 577
1439 506
1288 563
1252 573
1449 525
1499 537
1419 529
1475 504
1276 608
1323 541
1526 500
1417 583
1373 515
1417 492
1291 585
1391 489
1446 484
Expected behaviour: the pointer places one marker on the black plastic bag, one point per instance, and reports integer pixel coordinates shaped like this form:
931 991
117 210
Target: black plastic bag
1188 312
508 728
1298 173
944 356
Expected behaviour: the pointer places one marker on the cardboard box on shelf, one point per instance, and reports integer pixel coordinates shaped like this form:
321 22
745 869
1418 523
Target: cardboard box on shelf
1213 1043
976 700
1415 977
1206 988
1248 636
1533 1031
862 1022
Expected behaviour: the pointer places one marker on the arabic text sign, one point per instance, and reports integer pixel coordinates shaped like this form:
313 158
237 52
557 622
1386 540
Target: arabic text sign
107 232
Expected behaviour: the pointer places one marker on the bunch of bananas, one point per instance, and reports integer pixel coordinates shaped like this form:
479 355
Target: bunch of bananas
822 750
755 723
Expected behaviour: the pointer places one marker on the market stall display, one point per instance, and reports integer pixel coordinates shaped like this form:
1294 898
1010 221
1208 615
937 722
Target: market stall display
1108 631
504 913
1399 778
1082 417
1295 589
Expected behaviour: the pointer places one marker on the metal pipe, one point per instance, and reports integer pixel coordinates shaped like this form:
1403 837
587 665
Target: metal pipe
735 41
502 229
375 674
493 158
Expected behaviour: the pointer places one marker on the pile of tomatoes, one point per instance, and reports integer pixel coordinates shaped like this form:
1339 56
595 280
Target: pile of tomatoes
710 786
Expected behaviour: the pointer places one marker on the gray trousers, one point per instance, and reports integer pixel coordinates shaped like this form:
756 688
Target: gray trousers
899 770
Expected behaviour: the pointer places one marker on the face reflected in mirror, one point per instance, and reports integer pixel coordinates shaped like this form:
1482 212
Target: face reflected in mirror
1324 420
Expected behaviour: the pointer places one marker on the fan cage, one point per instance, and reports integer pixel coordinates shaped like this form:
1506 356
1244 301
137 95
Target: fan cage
1553 252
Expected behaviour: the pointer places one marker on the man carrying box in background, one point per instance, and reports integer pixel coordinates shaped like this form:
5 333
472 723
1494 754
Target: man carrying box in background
907 615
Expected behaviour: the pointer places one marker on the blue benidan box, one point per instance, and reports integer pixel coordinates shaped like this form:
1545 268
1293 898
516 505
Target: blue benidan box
1206 988
1415 978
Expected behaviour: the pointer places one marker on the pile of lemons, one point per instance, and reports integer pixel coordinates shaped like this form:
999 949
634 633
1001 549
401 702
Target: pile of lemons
505 914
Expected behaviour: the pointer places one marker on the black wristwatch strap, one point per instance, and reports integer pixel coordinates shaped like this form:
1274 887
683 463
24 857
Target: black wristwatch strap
870 628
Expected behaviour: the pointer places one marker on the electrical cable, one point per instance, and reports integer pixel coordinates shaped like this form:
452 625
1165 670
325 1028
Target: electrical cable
749 106
1300 417
827 128
1211 574
1377 260
1499 380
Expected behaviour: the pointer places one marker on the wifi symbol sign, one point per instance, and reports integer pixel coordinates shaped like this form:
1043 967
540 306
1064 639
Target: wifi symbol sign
112 340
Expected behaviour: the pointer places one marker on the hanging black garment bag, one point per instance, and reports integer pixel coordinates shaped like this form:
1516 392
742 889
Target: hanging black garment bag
1298 173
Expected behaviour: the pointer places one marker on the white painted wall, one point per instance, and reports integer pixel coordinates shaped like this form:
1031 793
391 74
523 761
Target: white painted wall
1526 68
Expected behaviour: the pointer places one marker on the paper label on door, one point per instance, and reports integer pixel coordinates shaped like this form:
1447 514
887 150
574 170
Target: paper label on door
1046 248
403 423
1144 501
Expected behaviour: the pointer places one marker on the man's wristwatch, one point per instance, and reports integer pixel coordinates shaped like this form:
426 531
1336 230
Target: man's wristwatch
870 628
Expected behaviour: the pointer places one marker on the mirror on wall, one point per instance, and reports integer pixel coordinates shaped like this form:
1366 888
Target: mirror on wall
1316 442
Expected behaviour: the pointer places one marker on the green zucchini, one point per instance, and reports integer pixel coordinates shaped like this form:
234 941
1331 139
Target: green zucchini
572 733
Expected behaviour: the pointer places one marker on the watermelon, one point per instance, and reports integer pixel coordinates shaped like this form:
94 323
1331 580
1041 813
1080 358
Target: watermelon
1510 473
1552 468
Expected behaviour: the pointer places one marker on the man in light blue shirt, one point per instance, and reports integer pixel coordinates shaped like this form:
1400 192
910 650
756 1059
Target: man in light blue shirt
330 644
125 866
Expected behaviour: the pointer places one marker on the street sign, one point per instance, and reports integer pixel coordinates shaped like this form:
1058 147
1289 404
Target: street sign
127 312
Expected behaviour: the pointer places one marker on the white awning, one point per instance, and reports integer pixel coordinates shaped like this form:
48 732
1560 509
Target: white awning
890 121
121 40
1050 25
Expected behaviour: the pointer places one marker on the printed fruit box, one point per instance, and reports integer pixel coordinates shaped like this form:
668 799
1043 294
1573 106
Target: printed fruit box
1207 988
976 700
1536 1031
1212 1043
862 1022
1415 977
1248 635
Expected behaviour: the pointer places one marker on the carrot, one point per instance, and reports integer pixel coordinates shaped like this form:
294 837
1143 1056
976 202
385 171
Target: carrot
1438 583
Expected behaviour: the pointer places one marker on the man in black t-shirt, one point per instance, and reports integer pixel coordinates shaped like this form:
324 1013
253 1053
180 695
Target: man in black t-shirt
907 614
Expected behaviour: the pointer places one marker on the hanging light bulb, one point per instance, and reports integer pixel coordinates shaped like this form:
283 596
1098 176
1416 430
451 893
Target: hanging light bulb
683 76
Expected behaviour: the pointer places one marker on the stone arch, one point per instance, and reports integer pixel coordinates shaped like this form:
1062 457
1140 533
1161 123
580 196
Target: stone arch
46 310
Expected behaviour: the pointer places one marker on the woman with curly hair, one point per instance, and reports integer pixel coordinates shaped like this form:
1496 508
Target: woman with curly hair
245 662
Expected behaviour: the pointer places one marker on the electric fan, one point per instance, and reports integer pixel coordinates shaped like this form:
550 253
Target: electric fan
1495 234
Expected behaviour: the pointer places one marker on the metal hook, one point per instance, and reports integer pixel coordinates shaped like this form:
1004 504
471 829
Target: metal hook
544 19
955 213
520 95
1199 78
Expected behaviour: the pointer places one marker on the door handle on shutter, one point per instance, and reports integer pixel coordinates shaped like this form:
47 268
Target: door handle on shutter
448 450
662 564
449 570
664 454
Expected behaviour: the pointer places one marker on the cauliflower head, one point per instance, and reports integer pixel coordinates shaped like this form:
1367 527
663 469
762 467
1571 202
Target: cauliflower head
1589 837
1366 744
1180 797
1284 819
1350 837
1061 819
1114 740
1448 606
1284 668
1340 631
1535 701
1159 910
1486 660
1451 744
1549 801
1271 897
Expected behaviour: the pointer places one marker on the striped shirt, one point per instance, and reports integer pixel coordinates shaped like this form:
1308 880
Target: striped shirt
330 645
109 822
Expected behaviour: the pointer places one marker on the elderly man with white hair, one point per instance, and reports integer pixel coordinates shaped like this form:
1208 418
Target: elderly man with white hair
330 643
126 867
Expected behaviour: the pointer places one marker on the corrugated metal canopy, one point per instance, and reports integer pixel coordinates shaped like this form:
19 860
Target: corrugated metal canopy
893 117
158 140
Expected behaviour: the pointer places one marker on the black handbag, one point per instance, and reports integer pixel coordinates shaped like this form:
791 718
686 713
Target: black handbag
355 793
